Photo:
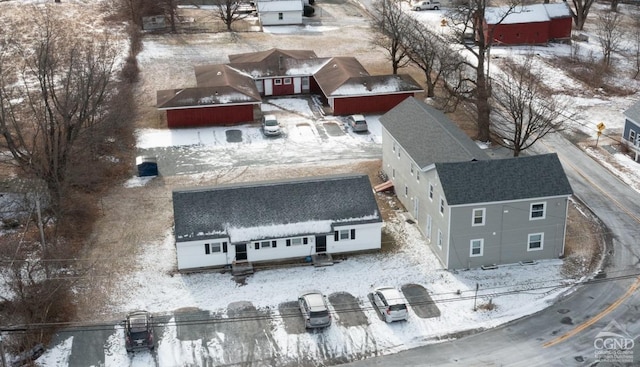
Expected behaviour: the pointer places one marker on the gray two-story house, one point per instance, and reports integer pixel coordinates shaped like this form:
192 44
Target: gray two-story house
631 130
473 211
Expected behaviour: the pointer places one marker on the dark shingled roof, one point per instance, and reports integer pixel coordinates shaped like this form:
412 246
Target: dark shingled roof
217 85
199 213
633 113
428 136
503 179
272 55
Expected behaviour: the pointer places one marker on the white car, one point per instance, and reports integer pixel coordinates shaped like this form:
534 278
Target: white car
270 125
391 304
358 123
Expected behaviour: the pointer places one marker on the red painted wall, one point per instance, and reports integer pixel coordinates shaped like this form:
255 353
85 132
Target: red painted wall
519 34
283 89
372 104
560 28
209 116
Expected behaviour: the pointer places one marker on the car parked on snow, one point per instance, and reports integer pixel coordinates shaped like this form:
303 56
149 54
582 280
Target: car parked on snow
358 123
138 331
270 125
26 358
425 5
391 304
315 311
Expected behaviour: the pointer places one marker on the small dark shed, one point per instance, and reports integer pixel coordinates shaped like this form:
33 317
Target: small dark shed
147 166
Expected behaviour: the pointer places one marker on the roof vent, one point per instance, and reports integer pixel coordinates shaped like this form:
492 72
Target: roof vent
219 73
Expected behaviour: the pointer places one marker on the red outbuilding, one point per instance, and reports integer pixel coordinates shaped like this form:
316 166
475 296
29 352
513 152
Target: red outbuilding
528 25
227 94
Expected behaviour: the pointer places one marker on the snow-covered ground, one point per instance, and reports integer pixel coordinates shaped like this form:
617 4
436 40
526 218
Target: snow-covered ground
515 290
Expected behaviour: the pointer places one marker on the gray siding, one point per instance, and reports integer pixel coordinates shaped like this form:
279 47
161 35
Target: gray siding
505 232
399 171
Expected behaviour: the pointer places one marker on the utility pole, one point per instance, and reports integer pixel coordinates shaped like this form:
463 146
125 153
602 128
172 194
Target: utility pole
475 298
2 357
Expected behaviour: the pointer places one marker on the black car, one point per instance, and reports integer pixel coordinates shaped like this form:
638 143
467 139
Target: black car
139 331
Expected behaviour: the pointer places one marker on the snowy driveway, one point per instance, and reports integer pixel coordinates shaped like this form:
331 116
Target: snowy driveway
308 136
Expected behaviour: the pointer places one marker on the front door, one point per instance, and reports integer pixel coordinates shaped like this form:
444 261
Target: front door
321 244
241 252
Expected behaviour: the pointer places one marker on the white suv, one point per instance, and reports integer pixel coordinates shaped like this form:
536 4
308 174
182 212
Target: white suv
390 303
314 310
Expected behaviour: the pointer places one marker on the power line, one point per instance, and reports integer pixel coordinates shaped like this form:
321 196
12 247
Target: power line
267 315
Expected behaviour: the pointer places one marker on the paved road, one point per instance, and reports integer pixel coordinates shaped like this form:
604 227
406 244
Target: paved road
521 343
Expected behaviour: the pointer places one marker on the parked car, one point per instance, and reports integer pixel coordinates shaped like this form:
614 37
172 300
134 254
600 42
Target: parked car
425 5
314 309
27 357
270 125
139 331
391 304
358 123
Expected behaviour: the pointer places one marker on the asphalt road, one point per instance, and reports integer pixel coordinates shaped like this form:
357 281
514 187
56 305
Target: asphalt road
522 342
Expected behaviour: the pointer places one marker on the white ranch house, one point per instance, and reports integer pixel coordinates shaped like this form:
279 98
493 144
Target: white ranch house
275 220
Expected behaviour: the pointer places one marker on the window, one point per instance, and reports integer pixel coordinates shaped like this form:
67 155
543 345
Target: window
277 81
393 173
440 239
264 244
398 153
344 234
287 81
394 146
297 241
478 217
442 206
537 211
210 248
406 190
431 192
429 227
418 175
280 16
412 169
632 137
535 242
476 247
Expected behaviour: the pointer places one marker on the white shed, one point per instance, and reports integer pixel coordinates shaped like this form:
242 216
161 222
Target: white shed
280 12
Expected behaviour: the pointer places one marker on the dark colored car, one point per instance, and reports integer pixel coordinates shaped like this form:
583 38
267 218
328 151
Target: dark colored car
138 331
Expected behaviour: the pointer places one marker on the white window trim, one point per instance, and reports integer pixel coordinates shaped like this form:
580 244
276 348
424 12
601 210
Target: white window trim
287 81
544 211
429 226
441 206
471 254
541 241
341 231
473 217
430 191
440 239
632 136
418 175
277 81
406 191
411 169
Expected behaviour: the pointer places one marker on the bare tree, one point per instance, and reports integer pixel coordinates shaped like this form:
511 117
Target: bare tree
524 110
580 11
390 24
229 12
469 17
636 40
65 82
429 52
609 34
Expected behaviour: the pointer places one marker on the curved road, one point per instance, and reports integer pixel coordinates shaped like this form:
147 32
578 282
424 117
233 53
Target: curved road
563 334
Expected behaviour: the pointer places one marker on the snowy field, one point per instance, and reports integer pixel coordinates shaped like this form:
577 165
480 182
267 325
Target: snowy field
514 291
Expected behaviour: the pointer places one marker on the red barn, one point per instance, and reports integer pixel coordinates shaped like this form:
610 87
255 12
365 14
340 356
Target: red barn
528 25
